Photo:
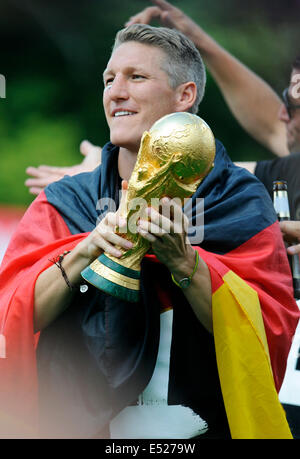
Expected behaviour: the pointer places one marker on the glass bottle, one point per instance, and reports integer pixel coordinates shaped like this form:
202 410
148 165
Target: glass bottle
281 205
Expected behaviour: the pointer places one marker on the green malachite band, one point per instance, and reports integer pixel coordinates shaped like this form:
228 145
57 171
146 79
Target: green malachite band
118 268
112 269
110 287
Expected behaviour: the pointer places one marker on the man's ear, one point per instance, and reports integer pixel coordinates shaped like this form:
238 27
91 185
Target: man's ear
186 96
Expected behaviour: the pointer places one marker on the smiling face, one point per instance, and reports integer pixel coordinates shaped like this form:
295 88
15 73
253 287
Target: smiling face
292 121
136 93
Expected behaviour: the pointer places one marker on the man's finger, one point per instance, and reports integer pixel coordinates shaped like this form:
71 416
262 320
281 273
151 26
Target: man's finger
44 171
104 244
172 208
159 220
53 170
293 249
290 229
36 172
84 147
35 190
145 16
151 228
115 239
113 219
162 4
145 234
87 147
42 181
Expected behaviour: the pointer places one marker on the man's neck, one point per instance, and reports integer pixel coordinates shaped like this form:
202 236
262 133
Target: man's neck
126 163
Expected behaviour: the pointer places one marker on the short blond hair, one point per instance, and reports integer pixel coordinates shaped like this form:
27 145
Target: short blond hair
183 61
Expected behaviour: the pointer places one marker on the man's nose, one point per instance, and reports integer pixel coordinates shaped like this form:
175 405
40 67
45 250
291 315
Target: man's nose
118 88
283 114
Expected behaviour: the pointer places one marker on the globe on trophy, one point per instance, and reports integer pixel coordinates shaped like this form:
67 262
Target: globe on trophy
174 157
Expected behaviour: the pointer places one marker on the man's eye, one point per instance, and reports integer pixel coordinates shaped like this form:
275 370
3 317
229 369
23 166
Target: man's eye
137 77
108 82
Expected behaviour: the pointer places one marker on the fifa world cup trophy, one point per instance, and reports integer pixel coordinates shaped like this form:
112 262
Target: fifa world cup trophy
174 157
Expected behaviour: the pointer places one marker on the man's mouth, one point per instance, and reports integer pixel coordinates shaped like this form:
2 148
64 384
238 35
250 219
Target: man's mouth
123 113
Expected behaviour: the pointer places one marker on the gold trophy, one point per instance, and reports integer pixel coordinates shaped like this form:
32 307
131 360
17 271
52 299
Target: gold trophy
174 157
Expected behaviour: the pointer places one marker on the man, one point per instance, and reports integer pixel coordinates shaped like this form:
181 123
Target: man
98 358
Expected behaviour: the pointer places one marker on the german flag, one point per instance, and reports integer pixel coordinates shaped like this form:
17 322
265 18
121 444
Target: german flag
254 312
251 337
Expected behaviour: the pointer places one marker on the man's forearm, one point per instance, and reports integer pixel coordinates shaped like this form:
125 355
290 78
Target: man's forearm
52 295
252 101
198 293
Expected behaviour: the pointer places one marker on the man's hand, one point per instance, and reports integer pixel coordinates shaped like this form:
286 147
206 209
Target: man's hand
291 234
44 175
168 15
104 238
52 295
167 232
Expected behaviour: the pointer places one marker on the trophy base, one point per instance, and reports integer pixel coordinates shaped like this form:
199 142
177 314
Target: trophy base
113 278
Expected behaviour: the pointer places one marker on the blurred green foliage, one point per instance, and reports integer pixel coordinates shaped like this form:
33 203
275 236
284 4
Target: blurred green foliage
53 55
